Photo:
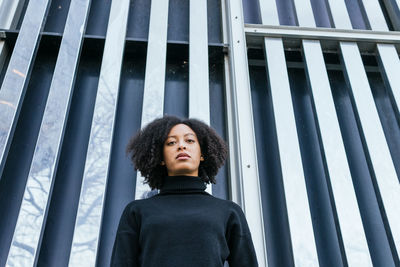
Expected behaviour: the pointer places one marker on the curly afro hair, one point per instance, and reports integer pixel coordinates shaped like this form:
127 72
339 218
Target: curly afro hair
145 149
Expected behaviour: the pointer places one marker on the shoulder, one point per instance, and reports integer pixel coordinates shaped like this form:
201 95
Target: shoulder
228 204
230 207
138 204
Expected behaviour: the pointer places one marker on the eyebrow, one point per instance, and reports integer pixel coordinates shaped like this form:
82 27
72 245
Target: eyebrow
174 136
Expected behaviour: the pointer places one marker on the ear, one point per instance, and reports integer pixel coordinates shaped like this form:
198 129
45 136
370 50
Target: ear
162 163
201 158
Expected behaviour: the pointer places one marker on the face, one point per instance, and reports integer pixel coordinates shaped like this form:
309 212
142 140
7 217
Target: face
182 154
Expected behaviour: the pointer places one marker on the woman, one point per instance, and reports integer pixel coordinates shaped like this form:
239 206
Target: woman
182 225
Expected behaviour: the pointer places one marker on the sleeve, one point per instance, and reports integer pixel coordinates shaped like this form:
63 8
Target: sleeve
240 243
126 245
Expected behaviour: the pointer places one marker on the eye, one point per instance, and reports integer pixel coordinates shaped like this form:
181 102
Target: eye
170 143
190 141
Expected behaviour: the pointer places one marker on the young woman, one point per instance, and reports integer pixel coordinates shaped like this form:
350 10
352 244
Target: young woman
182 225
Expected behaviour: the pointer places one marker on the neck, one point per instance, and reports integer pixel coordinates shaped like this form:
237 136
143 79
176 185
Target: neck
182 184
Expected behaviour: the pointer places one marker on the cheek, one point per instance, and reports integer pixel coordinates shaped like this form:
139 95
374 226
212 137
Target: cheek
167 154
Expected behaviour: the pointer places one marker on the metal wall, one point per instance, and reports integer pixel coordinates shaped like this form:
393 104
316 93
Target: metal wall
306 92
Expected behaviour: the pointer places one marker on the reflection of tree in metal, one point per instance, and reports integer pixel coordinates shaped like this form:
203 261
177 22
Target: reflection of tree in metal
31 219
87 228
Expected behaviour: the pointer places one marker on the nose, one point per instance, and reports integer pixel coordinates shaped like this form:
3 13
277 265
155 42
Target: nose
181 145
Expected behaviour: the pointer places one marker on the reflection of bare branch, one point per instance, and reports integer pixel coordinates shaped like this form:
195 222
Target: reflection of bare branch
85 246
40 184
83 218
31 199
86 243
24 247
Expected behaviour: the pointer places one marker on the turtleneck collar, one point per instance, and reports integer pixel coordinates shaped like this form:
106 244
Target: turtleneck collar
182 184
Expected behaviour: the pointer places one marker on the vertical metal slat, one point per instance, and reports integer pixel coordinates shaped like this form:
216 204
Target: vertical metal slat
91 201
199 102
9 13
247 159
14 84
199 95
349 217
154 83
299 216
364 103
30 224
388 56
234 170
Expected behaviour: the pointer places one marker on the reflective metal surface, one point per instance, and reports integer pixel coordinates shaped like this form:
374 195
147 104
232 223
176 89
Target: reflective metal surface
153 98
199 102
375 141
199 95
10 11
388 57
246 148
373 13
88 221
14 84
374 137
27 236
390 66
349 217
232 130
348 213
329 34
299 216
3 54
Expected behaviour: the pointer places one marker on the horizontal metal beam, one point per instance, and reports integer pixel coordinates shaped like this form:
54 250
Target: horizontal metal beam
257 30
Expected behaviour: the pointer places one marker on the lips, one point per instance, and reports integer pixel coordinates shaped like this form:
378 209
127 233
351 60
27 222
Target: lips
182 156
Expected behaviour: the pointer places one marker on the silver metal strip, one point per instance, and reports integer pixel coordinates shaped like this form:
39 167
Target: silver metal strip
14 84
31 218
10 11
393 9
246 146
347 35
379 154
374 15
154 83
3 55
91 201
389 64
348 213
349 217
377 146
388 56
299 215
235 193
199 94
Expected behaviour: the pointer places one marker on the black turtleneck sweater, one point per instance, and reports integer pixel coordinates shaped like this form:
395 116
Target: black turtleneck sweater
183 226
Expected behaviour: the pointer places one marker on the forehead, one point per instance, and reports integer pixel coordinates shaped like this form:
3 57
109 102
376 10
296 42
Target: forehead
181 130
